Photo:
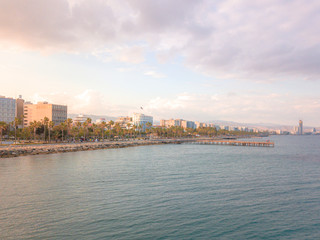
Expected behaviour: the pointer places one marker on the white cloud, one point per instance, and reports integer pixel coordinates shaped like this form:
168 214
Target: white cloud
154 74
86 102
265 40
127 54
240 107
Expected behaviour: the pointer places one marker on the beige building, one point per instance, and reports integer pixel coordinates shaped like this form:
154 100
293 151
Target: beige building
37 112
170 123
20 104
125 122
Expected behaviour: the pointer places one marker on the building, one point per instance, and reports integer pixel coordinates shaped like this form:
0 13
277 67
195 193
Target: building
80 119
37 112
188 124
8 109
125 122
100 120
300 128
170 123
20 106
142 120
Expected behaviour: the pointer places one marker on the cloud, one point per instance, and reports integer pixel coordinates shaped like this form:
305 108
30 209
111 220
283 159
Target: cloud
86 102
240 107
154 74
134 54
261 41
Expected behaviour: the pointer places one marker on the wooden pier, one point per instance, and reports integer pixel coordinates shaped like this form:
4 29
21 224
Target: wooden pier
233 143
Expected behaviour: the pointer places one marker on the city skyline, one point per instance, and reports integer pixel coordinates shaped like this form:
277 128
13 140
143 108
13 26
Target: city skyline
206 60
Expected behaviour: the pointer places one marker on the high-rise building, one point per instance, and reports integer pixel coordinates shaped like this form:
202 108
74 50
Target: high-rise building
300 129
20 105
142 120
37 112
8 109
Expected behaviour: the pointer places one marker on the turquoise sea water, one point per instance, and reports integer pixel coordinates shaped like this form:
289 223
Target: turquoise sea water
165 192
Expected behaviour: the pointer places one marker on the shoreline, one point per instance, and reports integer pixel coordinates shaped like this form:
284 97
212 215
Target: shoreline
37 149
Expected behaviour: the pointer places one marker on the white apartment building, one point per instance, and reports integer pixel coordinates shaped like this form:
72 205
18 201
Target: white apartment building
140 119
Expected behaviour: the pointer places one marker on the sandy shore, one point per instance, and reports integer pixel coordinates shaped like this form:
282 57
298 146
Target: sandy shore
35 149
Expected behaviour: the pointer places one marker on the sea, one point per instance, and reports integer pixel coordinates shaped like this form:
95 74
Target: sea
165 192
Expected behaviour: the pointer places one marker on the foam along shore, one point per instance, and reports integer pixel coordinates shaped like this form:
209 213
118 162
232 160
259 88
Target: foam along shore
35 149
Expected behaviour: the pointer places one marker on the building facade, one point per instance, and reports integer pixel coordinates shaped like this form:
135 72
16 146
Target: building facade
188 124
300 128
142 120
170 123
8 109
37 112
125 122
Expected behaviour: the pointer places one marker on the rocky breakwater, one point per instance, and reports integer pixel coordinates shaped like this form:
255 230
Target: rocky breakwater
35 149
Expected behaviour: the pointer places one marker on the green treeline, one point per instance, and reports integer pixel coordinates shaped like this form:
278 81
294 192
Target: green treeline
46 131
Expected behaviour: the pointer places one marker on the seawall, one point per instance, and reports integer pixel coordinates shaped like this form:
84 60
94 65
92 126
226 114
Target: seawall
35 149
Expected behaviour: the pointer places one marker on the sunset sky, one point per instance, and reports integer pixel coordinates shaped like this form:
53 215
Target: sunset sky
244 61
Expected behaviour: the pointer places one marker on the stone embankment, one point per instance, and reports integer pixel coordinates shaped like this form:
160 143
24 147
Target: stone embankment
35 149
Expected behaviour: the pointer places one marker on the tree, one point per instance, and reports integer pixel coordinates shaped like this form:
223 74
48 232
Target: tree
45 123
62 127
110 124
86 125
69 125
16 123
34 125
50 126
3 126
102 125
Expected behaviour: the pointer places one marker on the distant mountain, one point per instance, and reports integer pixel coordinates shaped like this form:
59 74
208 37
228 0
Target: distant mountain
93 117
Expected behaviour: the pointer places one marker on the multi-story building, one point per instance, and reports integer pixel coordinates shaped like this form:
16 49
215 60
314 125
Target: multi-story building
37 112
125 122
142 120
80 119
170 123
10 109
188 124
300 128
20 105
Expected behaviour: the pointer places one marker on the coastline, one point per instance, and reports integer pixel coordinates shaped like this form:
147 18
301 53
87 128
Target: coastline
11 151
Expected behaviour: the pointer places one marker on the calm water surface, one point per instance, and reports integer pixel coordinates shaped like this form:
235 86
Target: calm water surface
165 192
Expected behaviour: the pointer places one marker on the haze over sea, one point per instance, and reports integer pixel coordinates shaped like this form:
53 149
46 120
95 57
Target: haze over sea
165 192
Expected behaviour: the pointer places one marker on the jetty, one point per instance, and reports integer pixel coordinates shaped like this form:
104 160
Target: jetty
233 143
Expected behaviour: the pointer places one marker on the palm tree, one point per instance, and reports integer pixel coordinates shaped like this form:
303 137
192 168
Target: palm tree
45 123
110 124
62 127
102 125
85 126
118 128
50 126
3 126
129 129
16 123
69 124
34 125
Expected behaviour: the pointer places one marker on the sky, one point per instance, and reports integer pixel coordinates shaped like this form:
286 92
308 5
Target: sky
244 61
